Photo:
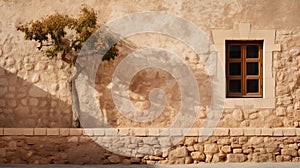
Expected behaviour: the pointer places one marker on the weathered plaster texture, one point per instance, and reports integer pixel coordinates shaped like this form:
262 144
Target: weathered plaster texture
35 92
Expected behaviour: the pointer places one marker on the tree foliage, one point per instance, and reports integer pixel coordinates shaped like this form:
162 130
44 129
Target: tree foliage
64 35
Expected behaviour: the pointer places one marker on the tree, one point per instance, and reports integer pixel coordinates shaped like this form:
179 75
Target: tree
63 37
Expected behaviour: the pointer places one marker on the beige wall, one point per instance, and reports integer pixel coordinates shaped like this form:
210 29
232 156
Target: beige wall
19 59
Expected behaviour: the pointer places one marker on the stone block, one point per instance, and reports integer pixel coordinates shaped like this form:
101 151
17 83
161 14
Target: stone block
236 146
237 115
99 132
12 131
192 132
277 132
190 148
164 141
64 131
139 132
52 131
145 150
257 131
164 132
221 132
236 158
266 131
175 132
247 150
226 149
124 131
289 131
237 150
298 131
280 111
135 160
289 151
153 131
199 156
75 131
110 131
88 131
243 140
73 139
249 131
40 131
179 152
1 131
211 148
84 139
199 147
37 92
236 132
150 141
256 141
33 101
224 141
189 141
114 159
28 131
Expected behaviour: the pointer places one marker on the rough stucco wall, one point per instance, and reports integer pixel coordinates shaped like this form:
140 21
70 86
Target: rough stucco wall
20 59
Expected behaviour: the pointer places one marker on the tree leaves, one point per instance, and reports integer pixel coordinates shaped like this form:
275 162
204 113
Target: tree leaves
51 32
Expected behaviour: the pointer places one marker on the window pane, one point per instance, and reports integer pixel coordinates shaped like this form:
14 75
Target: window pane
252 86
234 51
252 68
235 86
252 51
235 68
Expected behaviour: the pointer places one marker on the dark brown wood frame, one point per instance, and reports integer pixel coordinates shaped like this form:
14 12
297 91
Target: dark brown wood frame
244 60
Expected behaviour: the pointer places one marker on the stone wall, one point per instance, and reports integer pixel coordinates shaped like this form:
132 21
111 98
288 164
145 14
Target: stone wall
24 105
65 146
35 91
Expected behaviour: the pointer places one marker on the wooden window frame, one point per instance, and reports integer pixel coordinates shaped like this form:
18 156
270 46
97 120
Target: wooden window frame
244 77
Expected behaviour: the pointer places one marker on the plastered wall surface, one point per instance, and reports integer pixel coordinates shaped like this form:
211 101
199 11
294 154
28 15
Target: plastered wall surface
35 90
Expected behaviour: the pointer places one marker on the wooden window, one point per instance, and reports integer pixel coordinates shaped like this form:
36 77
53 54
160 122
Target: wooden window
244 68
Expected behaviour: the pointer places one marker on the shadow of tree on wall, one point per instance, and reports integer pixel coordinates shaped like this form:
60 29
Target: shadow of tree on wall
22 104
59 150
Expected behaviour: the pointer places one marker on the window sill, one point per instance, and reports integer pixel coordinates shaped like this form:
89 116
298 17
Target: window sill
255 103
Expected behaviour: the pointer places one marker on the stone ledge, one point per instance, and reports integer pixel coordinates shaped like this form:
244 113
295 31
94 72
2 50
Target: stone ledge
252 131
40 131
153 132
75 131
193 132
221 132
98 132
12 131
28 131
289 132
278 132
266 132
142 132
53 131
64 131
236 132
